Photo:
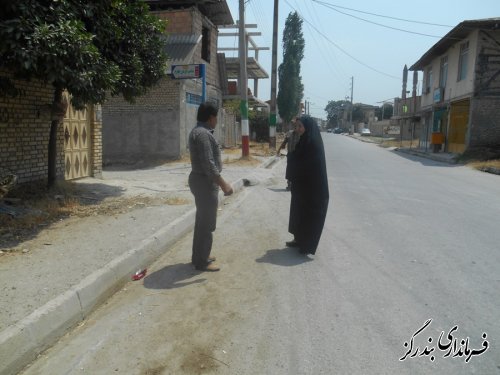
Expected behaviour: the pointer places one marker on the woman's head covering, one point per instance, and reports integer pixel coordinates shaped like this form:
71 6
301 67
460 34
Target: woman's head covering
311 129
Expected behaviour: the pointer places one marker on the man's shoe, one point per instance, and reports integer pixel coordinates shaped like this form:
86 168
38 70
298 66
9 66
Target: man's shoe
210 259
210 267
292 243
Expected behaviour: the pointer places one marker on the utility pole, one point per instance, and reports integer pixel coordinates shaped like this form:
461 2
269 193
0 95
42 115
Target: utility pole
243 82
274 63
350 112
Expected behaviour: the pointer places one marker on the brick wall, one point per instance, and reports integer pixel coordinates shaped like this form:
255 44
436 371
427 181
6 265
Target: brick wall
147 130
24 131
156 126
163 95
485 123
485 104
96 139
178 21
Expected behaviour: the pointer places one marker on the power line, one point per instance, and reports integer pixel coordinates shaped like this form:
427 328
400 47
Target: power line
322 52
340 48
376 23
381 15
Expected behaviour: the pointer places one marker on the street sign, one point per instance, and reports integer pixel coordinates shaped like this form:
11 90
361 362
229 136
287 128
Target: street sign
186 71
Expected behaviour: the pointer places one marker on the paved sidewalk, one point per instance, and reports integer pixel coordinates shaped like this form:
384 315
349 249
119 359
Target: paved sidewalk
445 157
71 267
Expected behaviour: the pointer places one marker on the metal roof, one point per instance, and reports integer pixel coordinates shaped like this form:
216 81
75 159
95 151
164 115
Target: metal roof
254 69
217 11
459 32
180 47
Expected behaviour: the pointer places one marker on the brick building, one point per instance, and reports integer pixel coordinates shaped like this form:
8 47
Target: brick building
157 125
460 104
25 120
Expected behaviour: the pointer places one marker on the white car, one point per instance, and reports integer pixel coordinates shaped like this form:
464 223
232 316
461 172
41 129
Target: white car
366 132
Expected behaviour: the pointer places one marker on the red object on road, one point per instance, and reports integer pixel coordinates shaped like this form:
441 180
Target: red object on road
139 274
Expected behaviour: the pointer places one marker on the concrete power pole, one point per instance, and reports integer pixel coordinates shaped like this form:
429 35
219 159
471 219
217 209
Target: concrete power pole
274 63
350 112
243 82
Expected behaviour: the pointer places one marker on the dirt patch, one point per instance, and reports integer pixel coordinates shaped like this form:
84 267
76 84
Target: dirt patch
198 362
154 371
33 208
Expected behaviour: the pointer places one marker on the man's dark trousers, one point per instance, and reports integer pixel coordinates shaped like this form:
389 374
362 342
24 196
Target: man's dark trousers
206 198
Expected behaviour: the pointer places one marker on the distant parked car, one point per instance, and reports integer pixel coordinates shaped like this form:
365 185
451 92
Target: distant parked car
338 130
366 131
329 130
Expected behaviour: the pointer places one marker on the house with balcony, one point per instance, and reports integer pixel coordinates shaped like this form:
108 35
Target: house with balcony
460 102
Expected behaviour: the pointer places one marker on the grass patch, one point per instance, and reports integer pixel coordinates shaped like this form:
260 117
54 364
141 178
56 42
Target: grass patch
397 143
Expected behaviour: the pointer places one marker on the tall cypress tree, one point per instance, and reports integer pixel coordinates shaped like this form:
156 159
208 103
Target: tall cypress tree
290 87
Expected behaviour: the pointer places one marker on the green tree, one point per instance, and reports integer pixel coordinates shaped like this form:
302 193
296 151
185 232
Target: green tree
290 87
358 115
385 111
335 112
89 48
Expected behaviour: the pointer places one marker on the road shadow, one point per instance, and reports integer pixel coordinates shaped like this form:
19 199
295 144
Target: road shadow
172 277
90 193
142 165
286 257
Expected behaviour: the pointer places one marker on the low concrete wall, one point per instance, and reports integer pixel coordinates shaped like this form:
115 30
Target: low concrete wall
131 137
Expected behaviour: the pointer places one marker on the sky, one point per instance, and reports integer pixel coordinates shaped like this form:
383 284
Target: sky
363 44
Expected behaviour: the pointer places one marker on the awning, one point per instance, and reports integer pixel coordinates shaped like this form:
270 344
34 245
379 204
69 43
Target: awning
254 69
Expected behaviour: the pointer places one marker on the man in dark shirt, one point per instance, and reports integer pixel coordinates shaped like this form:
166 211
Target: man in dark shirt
204 182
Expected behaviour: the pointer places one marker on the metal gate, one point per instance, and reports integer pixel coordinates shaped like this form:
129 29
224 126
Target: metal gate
459 120
76 143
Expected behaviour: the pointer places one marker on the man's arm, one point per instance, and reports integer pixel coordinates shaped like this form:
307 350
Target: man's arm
283 144
226 188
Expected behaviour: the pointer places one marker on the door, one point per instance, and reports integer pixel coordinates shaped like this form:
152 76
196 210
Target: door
459 120
76 143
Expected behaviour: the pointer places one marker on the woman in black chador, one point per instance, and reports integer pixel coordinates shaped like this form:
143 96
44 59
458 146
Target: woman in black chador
309 187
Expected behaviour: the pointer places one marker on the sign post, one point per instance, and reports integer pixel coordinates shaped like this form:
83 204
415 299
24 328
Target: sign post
192 71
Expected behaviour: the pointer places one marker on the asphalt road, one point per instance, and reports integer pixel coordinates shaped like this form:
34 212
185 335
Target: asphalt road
407 240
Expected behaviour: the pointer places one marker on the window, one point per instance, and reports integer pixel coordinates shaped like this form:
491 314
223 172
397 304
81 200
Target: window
462 61
428 81
205 44
443 72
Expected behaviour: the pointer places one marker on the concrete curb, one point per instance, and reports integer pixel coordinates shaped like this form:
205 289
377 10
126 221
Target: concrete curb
20 344
426 155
